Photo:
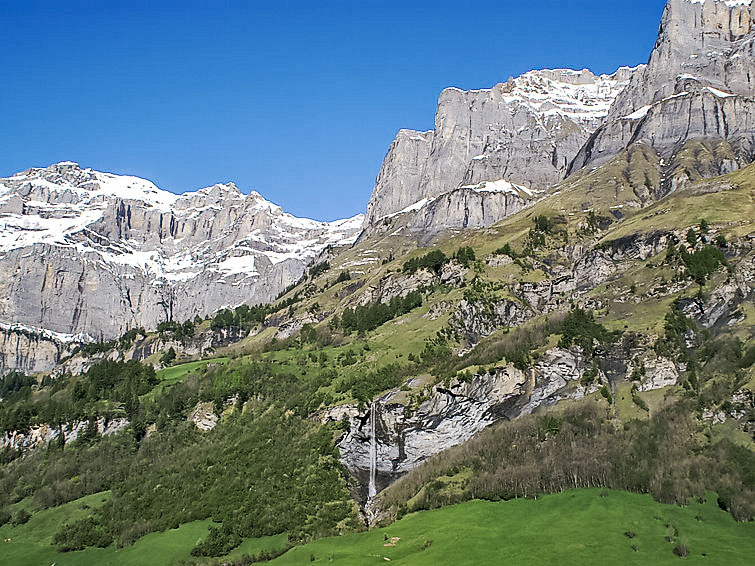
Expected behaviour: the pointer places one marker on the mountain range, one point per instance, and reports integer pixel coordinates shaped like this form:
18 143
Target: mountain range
551 290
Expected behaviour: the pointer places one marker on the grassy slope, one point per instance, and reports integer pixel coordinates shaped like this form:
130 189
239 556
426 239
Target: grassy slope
577 527
31 544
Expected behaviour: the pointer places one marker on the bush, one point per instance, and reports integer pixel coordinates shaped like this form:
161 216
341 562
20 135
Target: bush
245 316
507 250
465 256
701 264
369 317
80 534
432 261
220 541
681 550
168 357
5 517
580 329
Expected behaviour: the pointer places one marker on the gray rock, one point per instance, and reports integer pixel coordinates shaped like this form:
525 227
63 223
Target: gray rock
525 131
29 352
41 435
698 83
83 252
452 415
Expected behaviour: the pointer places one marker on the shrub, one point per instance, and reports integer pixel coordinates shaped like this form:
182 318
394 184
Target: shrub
702 263
507 250
369 317
318 269
168 357
80 534
681 550
606 394
580 329
220 541
21 517
432 261
465 256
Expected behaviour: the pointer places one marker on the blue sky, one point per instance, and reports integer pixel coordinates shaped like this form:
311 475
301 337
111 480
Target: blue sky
298 100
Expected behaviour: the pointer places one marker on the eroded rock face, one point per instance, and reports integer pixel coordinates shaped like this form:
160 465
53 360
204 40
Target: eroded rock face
525 132
29 352
659 373
203 416
398 183
452 415
721 306
476 319
698 83
448 417
397 285
94 253
467 208
42 435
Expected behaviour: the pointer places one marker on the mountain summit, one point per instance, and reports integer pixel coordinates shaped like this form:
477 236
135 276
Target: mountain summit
96 253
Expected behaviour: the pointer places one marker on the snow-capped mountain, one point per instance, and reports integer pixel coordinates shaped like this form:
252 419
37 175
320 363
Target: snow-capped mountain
699 83
85 252
525 132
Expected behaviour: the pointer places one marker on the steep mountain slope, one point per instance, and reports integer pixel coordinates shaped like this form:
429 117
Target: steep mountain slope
90 253
698 83
598 334
525 131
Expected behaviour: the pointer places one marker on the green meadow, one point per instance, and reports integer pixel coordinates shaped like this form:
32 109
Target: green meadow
581 527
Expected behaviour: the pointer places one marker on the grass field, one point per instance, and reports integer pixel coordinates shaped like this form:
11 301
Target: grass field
578 527
174 374
31 544
583 527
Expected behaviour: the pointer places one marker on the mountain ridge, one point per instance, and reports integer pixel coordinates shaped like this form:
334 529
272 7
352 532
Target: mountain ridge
146 246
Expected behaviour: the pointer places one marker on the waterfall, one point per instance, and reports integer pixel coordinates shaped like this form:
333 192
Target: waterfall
372 489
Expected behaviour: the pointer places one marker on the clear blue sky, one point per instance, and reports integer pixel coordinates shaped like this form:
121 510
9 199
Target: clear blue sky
298 100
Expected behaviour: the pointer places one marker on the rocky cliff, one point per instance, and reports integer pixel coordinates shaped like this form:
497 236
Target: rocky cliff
30 352
451 415
525 131
698 83
84 252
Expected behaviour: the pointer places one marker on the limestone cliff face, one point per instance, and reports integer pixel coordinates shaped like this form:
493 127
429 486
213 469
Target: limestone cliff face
452 415
29 352
698 83
525 131
84 252
398 184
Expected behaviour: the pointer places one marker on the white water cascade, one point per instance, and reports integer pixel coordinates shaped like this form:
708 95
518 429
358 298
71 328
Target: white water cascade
371 488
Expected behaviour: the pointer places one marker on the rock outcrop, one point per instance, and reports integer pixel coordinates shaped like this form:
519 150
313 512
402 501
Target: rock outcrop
84 252
30 352
698 83
524 132
38 436
450 415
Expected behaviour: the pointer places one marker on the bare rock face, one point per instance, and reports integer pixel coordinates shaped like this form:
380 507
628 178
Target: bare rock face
399 180
523 132
448 416
203 416
698 83
29 352
42 435
84 252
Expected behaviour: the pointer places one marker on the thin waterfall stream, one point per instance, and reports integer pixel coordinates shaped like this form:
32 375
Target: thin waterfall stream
371 488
